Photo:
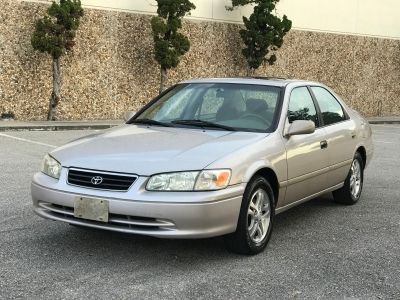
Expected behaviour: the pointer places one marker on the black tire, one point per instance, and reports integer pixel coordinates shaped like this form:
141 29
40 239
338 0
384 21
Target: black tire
240 241
345 195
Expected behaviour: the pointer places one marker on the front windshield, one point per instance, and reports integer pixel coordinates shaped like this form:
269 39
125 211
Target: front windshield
238 106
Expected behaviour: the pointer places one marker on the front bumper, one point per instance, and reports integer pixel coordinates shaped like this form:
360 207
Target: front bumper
158 214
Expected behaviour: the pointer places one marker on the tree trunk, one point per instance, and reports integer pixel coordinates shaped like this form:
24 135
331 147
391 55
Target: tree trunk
163 79
250 72
55 95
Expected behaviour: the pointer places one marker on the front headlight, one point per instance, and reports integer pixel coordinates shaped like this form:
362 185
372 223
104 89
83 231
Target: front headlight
51 167
182 181
207 180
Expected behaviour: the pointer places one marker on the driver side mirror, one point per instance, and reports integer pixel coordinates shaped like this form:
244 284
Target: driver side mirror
299 127
128 115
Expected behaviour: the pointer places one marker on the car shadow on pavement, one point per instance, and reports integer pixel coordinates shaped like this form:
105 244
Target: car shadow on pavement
89 246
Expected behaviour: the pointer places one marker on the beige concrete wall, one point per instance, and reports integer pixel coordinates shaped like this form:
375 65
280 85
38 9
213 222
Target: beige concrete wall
359 17
205 9
356 17
112 69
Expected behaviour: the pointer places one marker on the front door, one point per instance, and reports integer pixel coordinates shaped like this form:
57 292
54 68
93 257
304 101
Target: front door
307 156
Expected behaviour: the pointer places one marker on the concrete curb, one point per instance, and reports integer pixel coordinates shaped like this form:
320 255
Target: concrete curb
375 122
58 126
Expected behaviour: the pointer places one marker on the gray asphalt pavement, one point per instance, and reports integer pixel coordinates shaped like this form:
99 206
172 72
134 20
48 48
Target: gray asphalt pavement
319 250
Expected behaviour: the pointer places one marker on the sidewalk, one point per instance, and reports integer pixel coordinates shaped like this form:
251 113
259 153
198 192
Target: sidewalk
104 124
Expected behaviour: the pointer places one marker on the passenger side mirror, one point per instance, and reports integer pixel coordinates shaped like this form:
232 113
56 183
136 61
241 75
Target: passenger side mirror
301 127
128 115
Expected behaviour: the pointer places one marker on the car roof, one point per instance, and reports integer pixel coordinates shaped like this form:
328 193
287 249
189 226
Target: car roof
279 82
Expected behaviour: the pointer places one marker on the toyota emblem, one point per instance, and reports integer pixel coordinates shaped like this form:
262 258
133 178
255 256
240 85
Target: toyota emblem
96 180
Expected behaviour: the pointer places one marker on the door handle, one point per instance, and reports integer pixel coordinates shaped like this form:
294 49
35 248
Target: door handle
324 144
353 134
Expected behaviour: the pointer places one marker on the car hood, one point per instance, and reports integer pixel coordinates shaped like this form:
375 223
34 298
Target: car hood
147 150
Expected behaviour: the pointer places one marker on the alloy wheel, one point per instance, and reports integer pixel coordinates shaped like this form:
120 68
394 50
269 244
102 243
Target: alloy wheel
258 216
355 179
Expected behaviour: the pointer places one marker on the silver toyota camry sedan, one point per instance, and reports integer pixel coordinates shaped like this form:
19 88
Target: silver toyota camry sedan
210 157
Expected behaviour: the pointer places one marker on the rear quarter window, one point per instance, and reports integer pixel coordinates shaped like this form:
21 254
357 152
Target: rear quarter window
331 110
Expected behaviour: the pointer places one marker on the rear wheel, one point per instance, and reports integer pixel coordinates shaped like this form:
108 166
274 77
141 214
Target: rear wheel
255 222
350 193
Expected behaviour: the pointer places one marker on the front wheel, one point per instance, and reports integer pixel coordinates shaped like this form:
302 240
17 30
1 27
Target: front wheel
350 193
255 222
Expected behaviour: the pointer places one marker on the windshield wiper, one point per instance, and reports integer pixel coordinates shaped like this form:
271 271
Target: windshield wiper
149 122
201 123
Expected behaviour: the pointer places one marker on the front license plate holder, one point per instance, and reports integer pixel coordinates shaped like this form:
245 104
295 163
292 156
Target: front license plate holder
91 209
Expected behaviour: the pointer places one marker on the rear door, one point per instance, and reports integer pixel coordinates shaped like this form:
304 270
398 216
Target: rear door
340 134
307 157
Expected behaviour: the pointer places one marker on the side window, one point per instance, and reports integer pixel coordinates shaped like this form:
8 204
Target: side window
331 110
301 106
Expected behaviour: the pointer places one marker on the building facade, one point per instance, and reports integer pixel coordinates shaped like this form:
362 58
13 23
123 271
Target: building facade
352 46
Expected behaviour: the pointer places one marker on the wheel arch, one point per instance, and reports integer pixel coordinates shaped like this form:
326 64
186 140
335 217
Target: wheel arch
271 177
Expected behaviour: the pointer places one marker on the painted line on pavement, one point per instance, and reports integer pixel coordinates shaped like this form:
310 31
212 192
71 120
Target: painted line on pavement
27 141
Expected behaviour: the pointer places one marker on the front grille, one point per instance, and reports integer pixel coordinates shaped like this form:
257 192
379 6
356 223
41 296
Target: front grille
100 180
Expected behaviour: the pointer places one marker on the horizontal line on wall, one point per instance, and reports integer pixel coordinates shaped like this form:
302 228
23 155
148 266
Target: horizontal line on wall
226 21
154 14
347 33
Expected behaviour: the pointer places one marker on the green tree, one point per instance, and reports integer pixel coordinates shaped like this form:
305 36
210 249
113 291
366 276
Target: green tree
54 34
263 33
169 43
